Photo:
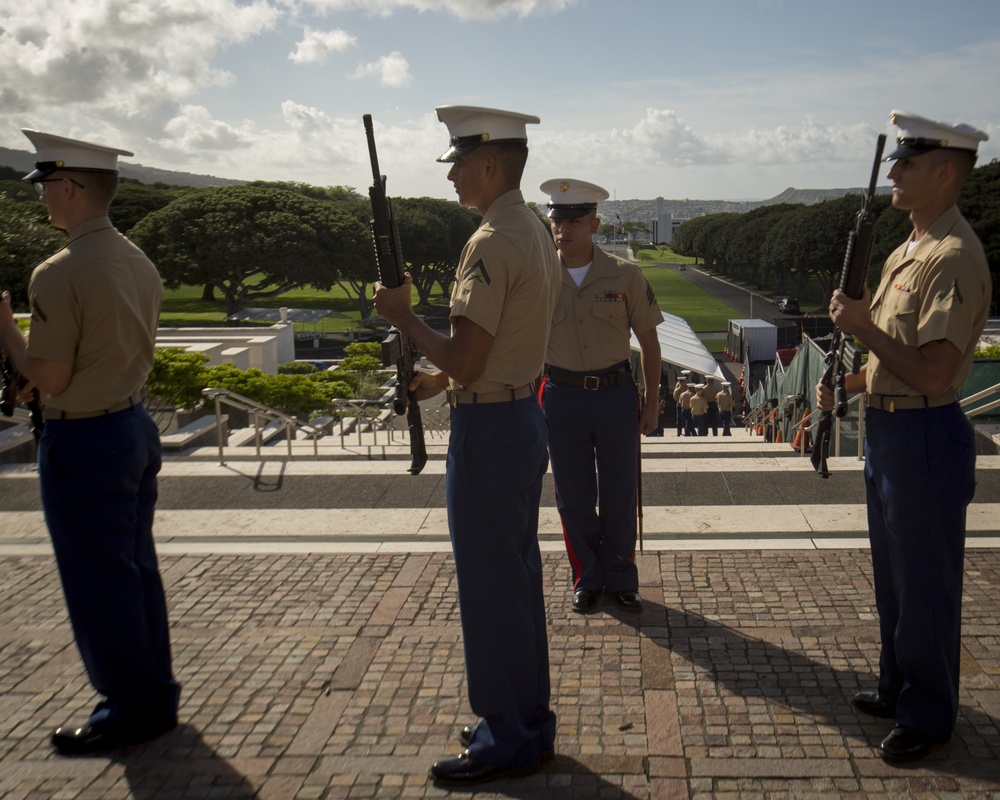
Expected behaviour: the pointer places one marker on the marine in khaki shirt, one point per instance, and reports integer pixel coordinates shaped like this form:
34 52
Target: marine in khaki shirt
937 289
500 288
922 326
593 322
501 309
595 418
110 346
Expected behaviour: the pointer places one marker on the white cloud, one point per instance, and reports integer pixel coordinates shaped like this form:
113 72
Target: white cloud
463 9
807 142
316 45
125 64
391 70
194 130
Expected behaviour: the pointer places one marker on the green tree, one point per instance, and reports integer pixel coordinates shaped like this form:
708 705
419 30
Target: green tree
711 240
810 242
980 203
690 237
337 194
746 242
26 239
432 234
364 360
177 378
252 243
136 200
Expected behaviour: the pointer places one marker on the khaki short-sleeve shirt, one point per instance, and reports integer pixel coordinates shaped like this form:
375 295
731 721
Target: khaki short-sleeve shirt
725 401
699 405
679 389
941 289
592 325
506 283
685 398
95 304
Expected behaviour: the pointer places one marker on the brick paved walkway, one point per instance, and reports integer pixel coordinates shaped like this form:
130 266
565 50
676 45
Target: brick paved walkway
341 676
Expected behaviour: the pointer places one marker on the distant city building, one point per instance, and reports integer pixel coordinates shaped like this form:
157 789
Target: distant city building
664 224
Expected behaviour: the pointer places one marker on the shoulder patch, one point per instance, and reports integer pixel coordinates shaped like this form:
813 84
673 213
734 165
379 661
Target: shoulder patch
37 313
477 272
649 294
951 292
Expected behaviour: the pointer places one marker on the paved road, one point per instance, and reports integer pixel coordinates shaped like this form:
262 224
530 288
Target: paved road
751 305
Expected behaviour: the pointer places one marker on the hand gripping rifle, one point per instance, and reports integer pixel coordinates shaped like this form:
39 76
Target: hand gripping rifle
843 355
397 349
11 382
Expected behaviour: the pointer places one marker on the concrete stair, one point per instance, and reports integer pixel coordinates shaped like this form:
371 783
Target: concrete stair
714 493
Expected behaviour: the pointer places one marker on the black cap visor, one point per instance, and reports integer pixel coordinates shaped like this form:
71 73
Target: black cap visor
460 145
566 211
43 169
910 146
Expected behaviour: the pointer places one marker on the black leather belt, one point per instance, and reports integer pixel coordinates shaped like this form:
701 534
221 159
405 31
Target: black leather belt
895 402
589 382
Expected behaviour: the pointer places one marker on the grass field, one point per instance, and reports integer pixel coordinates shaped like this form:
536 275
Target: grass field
184 307
680 297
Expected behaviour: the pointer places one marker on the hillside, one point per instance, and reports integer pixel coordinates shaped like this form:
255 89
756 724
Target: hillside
810 197
23 161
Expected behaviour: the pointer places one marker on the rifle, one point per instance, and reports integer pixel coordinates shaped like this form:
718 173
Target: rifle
11 382
397 349
843 356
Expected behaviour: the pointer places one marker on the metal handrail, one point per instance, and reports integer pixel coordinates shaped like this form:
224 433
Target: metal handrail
992 390
258 412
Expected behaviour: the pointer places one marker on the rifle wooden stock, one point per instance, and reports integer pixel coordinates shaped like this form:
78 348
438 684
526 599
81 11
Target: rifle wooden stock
397 350
843 357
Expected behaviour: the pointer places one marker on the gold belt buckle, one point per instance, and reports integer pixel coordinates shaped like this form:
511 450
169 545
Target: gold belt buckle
587 379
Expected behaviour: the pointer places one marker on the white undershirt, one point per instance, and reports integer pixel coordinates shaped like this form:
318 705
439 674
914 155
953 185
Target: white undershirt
578 273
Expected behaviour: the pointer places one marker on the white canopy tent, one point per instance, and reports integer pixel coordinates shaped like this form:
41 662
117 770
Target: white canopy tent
681 347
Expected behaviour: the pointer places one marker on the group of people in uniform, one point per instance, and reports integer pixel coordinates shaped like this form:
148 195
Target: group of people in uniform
536 369
700 406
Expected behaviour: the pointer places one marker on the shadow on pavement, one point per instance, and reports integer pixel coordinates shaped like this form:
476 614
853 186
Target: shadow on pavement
749 667
181 764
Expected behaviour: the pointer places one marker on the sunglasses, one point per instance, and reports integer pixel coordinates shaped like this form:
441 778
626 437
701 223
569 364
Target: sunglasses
40 184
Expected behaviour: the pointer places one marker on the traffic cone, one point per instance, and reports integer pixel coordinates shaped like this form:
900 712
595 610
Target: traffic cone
802 432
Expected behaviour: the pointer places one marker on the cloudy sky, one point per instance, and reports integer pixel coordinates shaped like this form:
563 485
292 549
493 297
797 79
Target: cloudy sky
707 99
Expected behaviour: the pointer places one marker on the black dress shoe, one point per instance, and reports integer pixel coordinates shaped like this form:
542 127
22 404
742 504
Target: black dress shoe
906 744
86 740
584 601
467 770
545 754
82 741
628 600
871 703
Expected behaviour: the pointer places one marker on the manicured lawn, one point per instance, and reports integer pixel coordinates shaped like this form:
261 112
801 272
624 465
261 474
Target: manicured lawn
680 297
184 307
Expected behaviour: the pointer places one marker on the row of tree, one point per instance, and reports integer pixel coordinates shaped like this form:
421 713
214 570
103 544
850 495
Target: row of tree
787 246
263 239
250 242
